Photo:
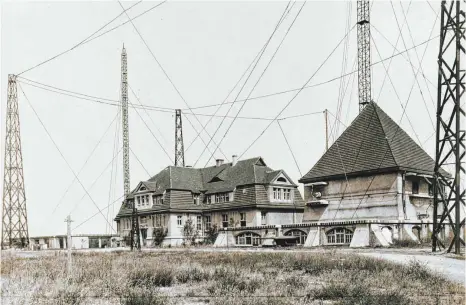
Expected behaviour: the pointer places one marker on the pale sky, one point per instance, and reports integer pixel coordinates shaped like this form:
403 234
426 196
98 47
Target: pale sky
204 47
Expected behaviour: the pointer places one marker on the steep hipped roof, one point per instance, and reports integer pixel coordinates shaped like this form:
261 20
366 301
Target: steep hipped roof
372 143
244 172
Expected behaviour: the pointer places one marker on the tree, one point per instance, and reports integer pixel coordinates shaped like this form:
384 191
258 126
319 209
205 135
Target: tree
190 232
211 234
159 235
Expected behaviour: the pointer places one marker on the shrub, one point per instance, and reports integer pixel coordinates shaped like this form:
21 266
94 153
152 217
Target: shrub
405 243
161 277
159 235
190 232
211 234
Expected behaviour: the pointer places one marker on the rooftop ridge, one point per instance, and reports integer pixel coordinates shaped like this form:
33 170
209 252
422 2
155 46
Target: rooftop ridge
389 142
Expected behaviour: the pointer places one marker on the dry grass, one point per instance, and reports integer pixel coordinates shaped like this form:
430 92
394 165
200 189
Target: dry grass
223 278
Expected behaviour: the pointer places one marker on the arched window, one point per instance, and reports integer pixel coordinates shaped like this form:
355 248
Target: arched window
302 235
281 179
339 236
248 238
417 232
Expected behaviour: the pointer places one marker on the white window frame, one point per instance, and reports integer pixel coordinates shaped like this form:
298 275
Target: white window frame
199 222
208 221
242 219
179 220
263 218
339 236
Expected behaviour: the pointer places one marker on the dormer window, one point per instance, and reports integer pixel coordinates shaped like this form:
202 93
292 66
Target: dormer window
196 199
280 194
222 197
216 179
157 199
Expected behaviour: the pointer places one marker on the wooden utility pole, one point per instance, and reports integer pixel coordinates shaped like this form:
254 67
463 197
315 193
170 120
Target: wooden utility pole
69 242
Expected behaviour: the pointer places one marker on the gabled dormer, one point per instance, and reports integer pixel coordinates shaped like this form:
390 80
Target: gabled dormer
281 187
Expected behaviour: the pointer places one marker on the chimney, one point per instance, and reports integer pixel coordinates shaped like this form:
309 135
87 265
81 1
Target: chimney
234 159
218 162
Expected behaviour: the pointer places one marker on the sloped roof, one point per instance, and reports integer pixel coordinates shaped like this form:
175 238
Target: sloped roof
249 171
372 143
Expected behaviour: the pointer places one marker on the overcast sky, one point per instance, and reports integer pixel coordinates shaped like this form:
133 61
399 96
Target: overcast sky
204 47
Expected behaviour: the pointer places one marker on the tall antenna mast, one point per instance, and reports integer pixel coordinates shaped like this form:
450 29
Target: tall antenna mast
135 242
364 53
124 112
14 220
179 147
449 194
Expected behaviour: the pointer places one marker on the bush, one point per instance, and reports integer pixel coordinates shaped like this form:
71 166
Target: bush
190 232
405 243
159 235
162 277
211 234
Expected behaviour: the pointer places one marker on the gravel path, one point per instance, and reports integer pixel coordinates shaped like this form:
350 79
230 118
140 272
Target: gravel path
451 268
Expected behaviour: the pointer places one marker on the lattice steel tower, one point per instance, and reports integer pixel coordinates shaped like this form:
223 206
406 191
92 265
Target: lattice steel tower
135 242
449 193
179 147
364 53
14 214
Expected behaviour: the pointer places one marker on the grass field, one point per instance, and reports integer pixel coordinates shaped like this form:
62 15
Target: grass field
222 278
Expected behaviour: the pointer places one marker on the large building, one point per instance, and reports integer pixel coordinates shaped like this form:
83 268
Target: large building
242 194
373 185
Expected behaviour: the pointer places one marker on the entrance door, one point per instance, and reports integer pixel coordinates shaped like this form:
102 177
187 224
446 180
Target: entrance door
144 236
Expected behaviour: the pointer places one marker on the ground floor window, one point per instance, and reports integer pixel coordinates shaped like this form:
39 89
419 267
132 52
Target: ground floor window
301 234
199 222
248 238
225 220
339 236
179 220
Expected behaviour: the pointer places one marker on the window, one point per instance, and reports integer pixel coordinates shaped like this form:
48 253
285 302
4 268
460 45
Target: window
209 199
281 179
302 235
158 220
339 236
287 194
225 220
179 220
248 238
199 222
415 187
222 197
243 219
207 221
143 220
431 190
264 218
196 198
163 220
143 202
276 193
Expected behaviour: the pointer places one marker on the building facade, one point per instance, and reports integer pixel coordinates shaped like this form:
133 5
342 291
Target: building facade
240 194
373 185
78 241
